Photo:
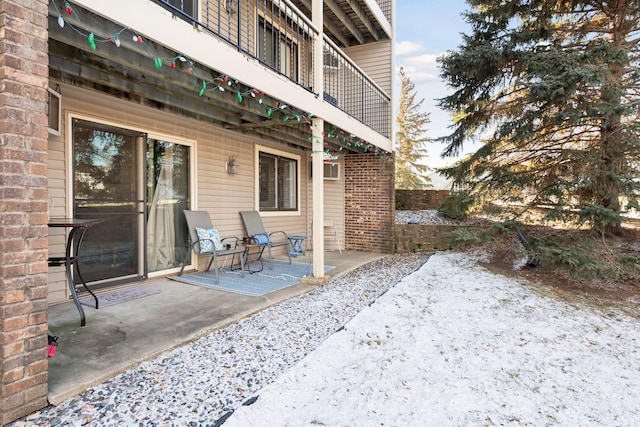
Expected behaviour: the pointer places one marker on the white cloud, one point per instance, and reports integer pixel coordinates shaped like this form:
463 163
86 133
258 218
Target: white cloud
406 48
420 66
419 74
423 61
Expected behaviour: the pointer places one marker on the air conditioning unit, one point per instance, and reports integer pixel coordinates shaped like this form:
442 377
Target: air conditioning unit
332 171
330 62
330 168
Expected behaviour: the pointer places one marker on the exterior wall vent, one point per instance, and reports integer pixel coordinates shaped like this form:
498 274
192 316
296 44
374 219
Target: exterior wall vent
54 111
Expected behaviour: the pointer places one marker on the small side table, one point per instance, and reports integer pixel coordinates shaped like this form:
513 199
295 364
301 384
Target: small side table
296 245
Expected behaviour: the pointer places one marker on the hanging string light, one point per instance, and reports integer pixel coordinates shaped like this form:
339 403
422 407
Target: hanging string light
219 83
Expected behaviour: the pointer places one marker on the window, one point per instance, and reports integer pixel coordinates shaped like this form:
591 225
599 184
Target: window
278 182
277 51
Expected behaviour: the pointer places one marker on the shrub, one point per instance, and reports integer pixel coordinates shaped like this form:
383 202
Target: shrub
457 206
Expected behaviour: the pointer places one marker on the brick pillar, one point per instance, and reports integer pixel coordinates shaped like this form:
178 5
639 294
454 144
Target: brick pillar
23 207
369 203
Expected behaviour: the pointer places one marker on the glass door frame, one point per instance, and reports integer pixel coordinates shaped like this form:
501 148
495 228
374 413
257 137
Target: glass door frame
141 176
191 145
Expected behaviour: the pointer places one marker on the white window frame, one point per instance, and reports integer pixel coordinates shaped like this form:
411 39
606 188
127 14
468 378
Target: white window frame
275 152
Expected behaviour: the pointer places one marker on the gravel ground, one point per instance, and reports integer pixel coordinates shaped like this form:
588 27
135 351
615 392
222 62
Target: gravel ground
202 382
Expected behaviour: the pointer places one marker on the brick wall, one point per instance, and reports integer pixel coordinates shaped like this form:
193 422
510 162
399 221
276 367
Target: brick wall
23 207
369 203
411 200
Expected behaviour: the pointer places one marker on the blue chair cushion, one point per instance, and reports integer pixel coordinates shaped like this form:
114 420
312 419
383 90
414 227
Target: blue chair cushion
209 239
261 239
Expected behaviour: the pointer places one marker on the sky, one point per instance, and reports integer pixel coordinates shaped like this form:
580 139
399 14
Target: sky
424 30
455 345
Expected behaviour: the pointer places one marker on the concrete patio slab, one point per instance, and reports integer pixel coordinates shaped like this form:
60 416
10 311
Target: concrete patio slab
120 337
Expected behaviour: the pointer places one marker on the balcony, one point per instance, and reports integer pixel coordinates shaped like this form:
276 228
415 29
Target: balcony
269 45
280 35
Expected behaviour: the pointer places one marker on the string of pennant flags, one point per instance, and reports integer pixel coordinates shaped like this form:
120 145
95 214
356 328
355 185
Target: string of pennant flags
67 14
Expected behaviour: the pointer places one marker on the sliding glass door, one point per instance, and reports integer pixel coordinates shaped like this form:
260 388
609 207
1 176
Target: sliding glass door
168 192
139 187
108 185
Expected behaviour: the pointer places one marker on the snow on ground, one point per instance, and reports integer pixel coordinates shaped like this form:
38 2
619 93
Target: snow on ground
453 344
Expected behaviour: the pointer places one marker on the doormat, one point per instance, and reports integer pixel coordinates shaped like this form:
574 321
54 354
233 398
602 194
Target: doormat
118 296
283 275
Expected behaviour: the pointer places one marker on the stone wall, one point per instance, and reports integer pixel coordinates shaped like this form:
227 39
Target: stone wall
24 75
419 200
369 203
422 237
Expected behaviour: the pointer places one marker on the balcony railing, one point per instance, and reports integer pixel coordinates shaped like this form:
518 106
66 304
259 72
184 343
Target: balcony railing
349 89
385 7
275 33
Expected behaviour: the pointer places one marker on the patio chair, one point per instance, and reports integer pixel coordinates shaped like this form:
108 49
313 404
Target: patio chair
255 229
331 229
205 240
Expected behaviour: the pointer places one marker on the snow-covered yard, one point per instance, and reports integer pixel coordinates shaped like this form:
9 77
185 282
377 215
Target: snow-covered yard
453 344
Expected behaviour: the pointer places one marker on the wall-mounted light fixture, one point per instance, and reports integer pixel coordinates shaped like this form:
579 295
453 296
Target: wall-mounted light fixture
231 166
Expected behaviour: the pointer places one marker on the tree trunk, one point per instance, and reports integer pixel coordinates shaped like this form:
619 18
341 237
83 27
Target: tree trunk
612 153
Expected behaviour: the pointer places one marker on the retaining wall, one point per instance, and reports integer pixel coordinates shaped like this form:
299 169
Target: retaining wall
414 200
423 237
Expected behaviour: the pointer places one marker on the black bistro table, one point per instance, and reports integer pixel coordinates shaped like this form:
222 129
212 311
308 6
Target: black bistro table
78 227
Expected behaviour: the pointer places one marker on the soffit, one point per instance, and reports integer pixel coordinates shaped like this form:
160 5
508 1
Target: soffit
347 22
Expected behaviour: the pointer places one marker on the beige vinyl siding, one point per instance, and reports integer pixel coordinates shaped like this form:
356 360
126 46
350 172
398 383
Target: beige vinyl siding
220 194
334 208
375 60
57 184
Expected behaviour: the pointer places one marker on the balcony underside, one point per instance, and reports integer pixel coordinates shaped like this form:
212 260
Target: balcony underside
127 72
349 22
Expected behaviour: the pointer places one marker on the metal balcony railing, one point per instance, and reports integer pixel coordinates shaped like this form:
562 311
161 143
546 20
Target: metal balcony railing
349 89
385 7
275 33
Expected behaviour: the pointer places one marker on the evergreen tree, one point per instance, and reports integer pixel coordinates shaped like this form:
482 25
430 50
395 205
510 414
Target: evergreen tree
409 137
552 89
